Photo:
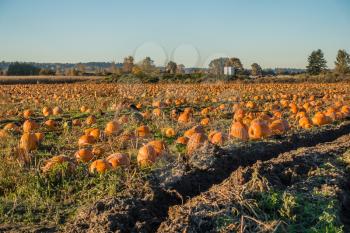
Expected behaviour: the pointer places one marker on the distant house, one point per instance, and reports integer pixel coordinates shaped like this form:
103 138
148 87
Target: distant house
229 70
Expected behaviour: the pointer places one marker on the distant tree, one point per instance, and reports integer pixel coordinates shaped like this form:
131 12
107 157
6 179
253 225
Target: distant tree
1 72
171 67
236 64
342 64
268 72
47 72
317 63
81 68
58 70
136 70
256 70
180 69
216 66
114 69
72 72
22 69
128 64
147 65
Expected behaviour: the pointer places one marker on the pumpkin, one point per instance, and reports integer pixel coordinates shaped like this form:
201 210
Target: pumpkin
217 138
86 140
320 119
57 111
239 114
29 126
39 137
97 151
250 104
28 142
184 117
11 127
193 130
305 123
95 132
51 124
112 128
170 132
159 147
47 111
346 110
84 155
90 120
279 126
143 131
146 156
196 141
100 166
239 130
50 164
182 140
27 113
157 112
83 109
118 159
205 121
3 134
258 129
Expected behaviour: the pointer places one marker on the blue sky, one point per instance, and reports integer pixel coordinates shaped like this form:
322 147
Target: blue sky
273 33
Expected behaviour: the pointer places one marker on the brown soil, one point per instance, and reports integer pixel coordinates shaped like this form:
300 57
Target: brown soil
295 171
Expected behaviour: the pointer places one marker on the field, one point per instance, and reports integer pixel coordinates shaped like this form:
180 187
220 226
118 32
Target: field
225 157
45 79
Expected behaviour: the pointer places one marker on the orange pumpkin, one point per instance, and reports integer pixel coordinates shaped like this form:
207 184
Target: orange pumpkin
51 124
99 166
11 127
182 140
305 123
57 160
47 111
239 130
118 159
86 140
279 126
57 111
90 120
184 117
30 126
84 155
28 142
193 130
146 156
217 138
159 147
320 119
27 113
143 131
258 129
112 128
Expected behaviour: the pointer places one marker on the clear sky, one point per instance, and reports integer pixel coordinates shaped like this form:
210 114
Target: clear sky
273 33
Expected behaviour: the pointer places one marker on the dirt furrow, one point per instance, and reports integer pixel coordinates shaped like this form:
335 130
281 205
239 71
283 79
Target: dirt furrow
147 208
274 195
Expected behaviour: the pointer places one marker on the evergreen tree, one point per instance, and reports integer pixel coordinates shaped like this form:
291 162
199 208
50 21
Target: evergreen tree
317 63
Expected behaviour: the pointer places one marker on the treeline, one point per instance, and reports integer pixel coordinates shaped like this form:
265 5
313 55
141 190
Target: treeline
147 70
